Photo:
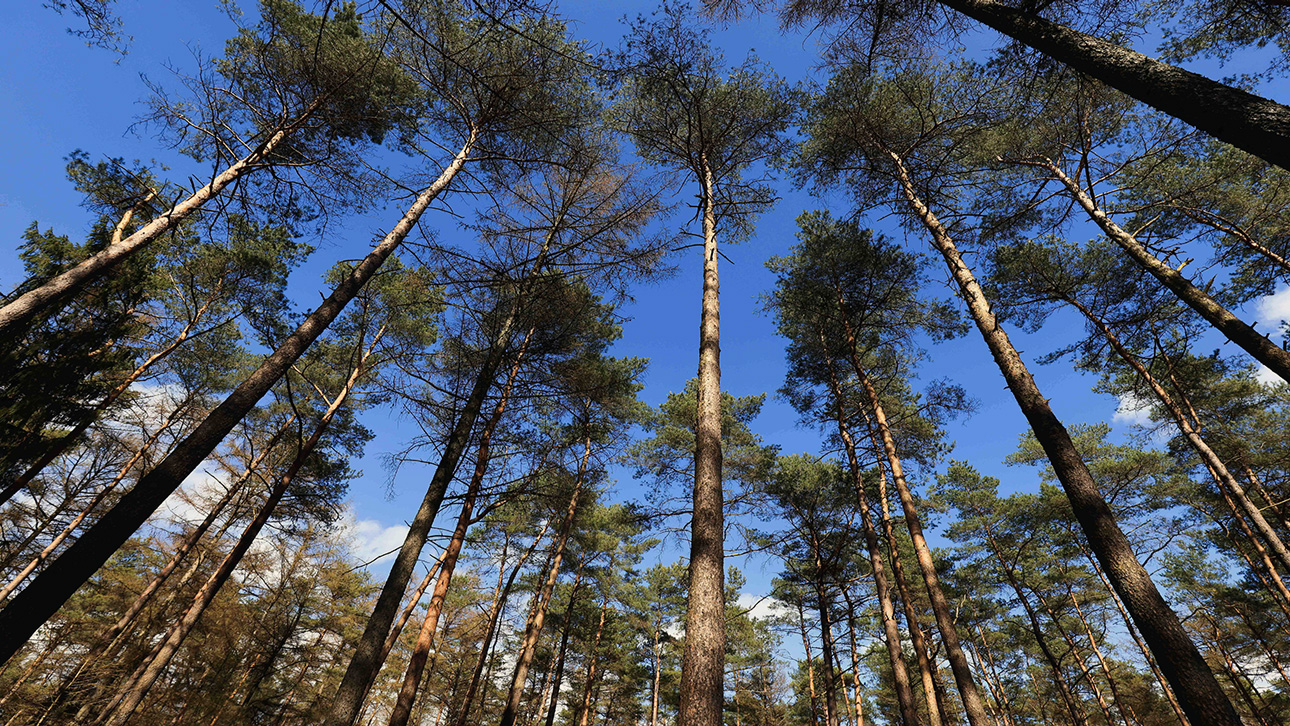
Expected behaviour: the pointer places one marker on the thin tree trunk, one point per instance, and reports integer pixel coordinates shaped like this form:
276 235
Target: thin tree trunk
917 639
704 657
1137 637
1236 330
564 648
585 718
494 615
65 442
810 666
1216 466
38 602
1078 657
108 488
425 639
972 703
891 629
1194 683
533 629
134 692
68 283
857 686
1125 710
1251 123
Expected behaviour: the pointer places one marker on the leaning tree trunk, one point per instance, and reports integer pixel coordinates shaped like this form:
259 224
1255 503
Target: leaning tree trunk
425 639
1194 683
66 441
132 693
533 629
917 639
891 629
494 614
67 284
38 602
1236 330
364 665
703 661
972 703
1251 123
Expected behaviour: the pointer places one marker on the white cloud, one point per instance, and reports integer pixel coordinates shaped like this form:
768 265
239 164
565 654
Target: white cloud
1275 308
1265 376
368 538
1132 411
761 607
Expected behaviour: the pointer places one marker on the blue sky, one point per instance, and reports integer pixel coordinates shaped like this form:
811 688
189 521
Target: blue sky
58 95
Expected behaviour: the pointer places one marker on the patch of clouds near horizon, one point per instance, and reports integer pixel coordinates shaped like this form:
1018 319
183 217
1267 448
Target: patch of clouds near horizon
1275 308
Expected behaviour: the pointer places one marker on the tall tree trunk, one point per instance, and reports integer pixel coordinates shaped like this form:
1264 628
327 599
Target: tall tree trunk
972 703
1126 710
40 600
1215 464
1236 330
494 615
533 629
593 660
1194 683
564 649
425 639
857 686
703 662
810 666
1251 123
132 693
891 629
1074 650
67 284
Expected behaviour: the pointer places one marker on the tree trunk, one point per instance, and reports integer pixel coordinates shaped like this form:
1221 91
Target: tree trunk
564 649
68 283
1216 466
891 630
1194 683
703 662
65 441
810 666
972 703
1125 711
132 693
48 591
62 536
533 629
1251 123
494 614
585 718
1236 330
425 639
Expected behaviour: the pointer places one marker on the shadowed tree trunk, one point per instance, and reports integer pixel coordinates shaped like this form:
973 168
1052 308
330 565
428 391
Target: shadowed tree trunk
1194 683
1251 123
38 602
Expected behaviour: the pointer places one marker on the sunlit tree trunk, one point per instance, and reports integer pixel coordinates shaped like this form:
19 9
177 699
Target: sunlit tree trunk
1194 684
704 657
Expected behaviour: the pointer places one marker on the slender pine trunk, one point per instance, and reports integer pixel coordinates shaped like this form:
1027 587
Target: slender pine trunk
40 600
703 662
1194 683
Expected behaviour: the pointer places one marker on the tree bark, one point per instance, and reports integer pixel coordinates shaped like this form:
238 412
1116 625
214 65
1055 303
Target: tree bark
704 657
1194 683
533 629
38 602
891 629
132 693
68 283
1251 123
972 703
564 649
1236 330
425 639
